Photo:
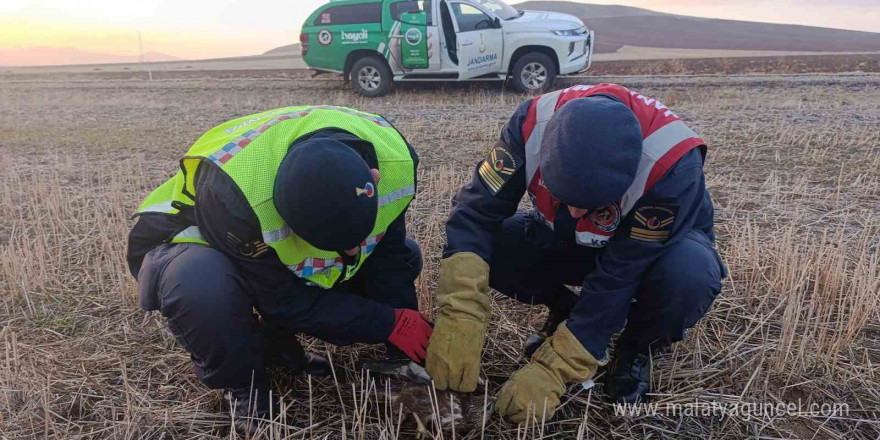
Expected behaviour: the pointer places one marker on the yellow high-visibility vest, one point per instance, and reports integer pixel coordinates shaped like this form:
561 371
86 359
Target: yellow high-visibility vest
250 150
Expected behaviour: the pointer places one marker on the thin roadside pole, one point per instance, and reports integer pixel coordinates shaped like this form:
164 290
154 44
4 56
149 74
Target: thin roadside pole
141 57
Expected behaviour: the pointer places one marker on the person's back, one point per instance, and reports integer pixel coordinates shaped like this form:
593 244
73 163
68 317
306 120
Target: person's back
620 207
298 213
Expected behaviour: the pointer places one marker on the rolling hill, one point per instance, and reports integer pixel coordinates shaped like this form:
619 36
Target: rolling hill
290 49
618 26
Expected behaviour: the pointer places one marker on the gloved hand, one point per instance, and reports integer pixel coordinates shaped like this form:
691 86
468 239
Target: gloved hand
535 389
460 330
411 333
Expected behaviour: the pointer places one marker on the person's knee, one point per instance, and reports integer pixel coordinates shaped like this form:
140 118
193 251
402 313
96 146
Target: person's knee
211 316
414 259
687 279
511 253
517 232
523 265
200 285
694 296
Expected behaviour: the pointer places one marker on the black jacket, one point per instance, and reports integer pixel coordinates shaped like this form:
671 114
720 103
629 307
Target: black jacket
228 224
477 214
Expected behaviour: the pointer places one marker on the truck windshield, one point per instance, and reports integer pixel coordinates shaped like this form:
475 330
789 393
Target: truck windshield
499 8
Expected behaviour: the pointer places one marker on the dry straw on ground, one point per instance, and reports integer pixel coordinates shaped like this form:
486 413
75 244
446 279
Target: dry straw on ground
793 169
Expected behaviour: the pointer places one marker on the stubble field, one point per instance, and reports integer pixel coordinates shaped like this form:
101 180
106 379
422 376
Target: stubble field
793 169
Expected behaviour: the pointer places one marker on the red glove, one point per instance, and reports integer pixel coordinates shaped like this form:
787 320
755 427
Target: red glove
411 333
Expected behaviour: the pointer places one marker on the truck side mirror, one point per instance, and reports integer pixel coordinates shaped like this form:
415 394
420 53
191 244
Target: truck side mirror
497 23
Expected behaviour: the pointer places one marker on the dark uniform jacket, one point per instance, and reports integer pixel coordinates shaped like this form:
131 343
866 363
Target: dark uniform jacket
282 298
477 214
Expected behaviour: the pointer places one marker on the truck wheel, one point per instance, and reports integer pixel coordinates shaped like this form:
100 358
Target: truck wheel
370 76
533 72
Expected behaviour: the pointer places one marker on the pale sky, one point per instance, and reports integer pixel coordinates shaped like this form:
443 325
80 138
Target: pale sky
210 29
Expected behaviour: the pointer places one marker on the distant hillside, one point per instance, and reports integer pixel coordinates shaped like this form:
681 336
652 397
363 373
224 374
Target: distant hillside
59 56
584 10
285 50
618 26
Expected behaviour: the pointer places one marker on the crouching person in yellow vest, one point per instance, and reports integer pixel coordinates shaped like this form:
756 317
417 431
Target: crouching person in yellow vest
297 213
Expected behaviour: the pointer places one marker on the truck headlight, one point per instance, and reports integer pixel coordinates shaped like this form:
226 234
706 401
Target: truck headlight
571 32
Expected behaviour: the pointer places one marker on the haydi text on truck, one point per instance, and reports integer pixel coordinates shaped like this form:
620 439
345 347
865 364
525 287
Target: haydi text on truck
374 43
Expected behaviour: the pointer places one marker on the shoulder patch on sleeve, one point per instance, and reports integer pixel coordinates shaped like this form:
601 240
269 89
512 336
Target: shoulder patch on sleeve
250 249
653 222
498 168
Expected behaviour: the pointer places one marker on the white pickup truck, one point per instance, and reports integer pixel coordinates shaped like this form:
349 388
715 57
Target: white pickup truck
375 43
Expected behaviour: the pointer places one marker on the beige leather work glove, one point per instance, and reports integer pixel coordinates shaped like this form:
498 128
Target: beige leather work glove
460 329
535 389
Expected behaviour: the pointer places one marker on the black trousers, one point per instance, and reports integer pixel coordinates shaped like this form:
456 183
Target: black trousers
211 312
531 266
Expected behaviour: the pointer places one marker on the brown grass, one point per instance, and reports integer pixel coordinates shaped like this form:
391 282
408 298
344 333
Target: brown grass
793 170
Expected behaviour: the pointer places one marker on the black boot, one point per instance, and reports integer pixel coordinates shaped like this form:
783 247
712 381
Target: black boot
563 302
285 351
629 375
250 407
629 380
317 365
536 339
397 365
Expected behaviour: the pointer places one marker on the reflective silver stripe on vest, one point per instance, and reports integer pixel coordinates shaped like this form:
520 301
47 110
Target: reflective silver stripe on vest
164 207
406 191
654 147
544 110
191 232
276 235
284 232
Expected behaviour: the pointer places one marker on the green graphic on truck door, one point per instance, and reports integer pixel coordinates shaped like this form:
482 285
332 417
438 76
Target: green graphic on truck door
414 47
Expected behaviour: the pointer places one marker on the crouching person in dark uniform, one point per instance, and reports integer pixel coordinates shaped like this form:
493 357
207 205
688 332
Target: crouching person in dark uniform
620 208
297 213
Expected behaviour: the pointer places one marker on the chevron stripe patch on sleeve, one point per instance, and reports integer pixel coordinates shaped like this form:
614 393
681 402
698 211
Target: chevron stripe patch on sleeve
653 222
497 169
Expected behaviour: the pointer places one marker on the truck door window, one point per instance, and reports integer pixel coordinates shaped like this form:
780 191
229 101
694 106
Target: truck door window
499 8
399 9
470 18
449 33
350 14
